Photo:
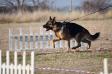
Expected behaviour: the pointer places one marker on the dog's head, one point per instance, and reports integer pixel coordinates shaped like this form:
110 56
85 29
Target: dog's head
50 24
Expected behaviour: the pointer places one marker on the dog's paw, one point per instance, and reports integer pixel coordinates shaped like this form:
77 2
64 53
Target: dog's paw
73 47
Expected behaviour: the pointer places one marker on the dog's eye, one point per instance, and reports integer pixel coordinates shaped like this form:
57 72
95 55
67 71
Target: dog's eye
49 23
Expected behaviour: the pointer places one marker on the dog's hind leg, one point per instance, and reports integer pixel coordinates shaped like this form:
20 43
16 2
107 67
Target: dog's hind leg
88 42
68 49
78 39
68 43
76 46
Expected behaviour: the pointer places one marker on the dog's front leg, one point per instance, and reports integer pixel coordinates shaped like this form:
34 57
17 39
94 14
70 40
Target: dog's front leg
53 42
68 43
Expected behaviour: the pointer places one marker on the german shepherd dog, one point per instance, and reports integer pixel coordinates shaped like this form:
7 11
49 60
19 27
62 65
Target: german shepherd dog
68 30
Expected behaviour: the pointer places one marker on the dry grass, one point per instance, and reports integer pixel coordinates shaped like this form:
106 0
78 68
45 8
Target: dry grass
40 16
87 61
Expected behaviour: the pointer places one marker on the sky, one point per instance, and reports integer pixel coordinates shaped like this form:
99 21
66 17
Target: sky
64 3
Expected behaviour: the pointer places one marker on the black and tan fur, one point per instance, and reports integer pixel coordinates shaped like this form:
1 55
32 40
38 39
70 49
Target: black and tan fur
67 31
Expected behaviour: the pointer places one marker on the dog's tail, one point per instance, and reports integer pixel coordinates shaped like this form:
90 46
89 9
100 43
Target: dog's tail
94 37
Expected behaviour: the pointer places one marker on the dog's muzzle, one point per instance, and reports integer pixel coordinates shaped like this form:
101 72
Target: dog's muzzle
47 27
44 26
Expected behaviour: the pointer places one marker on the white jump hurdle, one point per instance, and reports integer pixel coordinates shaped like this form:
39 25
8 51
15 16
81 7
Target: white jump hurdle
35 40
105 67
15 68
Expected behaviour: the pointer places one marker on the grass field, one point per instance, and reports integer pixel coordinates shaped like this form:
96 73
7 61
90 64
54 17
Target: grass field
87 61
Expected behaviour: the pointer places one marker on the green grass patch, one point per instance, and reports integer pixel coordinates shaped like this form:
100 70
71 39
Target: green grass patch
90 61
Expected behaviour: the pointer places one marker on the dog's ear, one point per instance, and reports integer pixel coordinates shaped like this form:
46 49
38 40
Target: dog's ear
50 18
54 19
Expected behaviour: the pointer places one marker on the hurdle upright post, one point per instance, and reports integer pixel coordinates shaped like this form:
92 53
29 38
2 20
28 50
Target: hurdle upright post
36 40
32 62
31 39
16 42
7 61
10 39
0 61
15 62
106 66
21 39
24 62
41 38
26 41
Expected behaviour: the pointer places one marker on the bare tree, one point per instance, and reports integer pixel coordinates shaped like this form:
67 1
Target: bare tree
14 3
95 5
20 3
6 5
9 3
24 5
43 4
34 3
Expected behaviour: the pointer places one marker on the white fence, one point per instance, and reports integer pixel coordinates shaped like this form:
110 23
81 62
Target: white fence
15 68
41 39
105 67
